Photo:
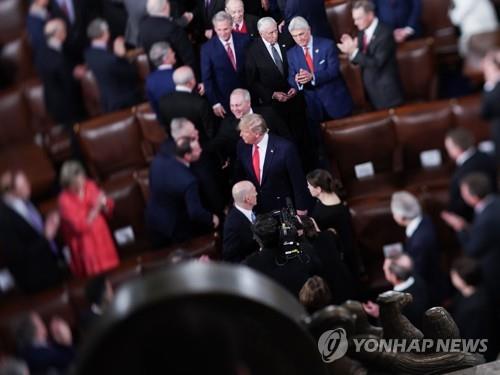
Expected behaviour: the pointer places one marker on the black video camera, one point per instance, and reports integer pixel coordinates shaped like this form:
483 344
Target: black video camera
288 230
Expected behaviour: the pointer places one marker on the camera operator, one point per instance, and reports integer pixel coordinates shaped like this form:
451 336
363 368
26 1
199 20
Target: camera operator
280 258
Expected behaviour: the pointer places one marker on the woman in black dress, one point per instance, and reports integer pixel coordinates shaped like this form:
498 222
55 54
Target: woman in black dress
331 212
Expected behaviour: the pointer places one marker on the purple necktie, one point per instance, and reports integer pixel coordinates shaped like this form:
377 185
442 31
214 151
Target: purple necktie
37 223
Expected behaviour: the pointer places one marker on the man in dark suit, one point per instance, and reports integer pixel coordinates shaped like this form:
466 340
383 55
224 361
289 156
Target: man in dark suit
223 63
159 26
312 10
242 22
224 143
267 78
27 242
38 14
160 82
184 102
174 212
399 273
421 244
491 97
238 241
403 16
116 77
272 164
459 143
314 69
61 91
205 12
481 239
375 52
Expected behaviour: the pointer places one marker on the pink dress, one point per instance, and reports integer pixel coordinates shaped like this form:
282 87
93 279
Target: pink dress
92 248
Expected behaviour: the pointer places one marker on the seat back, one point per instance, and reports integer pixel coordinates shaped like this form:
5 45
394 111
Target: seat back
351 142
91 94
152 132
437 24
39 119
111 144
11 19
417 69
354 81
420 128
18 56
14 124
339 14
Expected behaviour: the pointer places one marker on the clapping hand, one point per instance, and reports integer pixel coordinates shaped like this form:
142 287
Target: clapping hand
347 44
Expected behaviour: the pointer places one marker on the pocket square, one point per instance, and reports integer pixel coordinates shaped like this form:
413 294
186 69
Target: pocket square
322 62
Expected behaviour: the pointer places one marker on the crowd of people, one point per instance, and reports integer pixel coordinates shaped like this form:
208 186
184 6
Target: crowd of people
241 88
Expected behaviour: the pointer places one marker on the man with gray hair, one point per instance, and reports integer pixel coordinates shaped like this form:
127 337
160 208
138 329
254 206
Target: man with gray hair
185 102
159 26
116 77
160 82
241 105
238 241
223 63
272 164
242 22
61 92
422 243
267 77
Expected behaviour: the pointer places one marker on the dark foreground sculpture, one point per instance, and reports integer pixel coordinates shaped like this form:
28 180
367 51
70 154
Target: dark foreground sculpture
198 318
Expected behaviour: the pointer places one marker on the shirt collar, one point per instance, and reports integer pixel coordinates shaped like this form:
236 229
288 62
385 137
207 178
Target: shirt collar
165 66
183 88
464 156
404 285
412 226
54 44
230 41
263 142
39 12
480 206
310 46
370 30
99 44
244 211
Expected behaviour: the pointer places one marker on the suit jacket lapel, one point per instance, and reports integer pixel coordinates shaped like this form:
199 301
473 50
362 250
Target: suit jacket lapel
265 54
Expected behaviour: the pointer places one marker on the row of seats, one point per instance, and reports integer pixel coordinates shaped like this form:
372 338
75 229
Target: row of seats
68 301
404 146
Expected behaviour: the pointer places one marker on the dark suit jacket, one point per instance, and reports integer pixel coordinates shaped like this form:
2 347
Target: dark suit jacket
27 253
473 315
478 162
174 208
254 7
400 13
217 73
482 241
262 74
224 143
116 77
205 15
61 91
191 106
282 175
157 29
415 310
423 247
328 97
313 11
238 240
34 28
490 111
380 69
158 84
251 25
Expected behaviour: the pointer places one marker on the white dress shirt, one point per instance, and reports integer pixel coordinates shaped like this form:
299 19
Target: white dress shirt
183 88
404 285
276 47
262 153
412 226
248 213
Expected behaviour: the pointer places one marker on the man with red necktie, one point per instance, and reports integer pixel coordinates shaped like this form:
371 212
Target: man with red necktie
242 22
272 164
223 63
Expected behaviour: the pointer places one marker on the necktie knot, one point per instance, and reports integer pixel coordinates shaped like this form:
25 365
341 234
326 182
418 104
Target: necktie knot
309 60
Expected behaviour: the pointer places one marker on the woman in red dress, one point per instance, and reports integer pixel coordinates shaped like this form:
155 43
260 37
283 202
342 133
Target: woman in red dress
83 226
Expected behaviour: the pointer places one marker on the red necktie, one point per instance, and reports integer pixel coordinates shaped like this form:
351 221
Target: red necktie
237 27
230 54
365 42
256 162
309 60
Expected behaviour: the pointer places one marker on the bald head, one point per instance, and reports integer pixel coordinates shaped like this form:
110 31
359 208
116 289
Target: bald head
55 29
244 194
184 76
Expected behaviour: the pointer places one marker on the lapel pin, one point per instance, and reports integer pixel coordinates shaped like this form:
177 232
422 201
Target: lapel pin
272 150
316 51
